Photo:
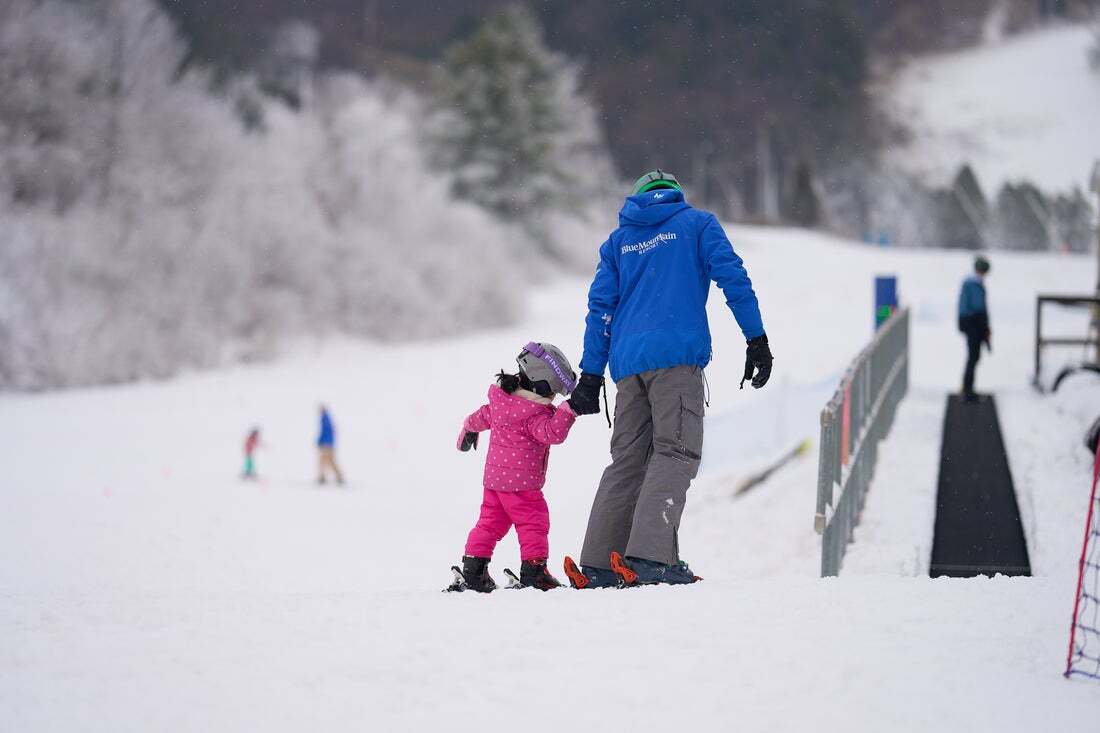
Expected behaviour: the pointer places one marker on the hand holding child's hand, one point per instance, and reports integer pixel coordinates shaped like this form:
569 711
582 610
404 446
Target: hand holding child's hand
585 399
467 439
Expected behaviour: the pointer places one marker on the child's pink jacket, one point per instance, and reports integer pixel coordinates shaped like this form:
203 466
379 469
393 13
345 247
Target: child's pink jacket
519 444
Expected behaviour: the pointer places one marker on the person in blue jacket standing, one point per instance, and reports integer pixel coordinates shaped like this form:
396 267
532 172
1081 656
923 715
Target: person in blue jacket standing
326 449
974 323
647 321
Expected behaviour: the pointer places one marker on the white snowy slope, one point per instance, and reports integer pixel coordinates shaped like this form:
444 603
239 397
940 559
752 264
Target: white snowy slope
143 587
1027 107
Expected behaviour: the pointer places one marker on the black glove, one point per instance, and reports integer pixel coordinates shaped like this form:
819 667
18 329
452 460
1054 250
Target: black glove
469 440
585 399
758 356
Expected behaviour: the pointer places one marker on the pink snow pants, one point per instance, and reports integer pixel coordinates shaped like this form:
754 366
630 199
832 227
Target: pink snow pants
527 510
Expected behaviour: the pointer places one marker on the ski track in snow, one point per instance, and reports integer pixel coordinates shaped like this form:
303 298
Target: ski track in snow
143 587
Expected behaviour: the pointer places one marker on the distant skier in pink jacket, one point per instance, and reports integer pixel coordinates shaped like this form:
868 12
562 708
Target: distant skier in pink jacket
523 424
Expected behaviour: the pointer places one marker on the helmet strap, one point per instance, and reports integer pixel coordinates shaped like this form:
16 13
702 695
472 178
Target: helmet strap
541 387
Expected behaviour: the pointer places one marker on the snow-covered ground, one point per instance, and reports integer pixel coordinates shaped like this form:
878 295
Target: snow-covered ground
1027 107
143 587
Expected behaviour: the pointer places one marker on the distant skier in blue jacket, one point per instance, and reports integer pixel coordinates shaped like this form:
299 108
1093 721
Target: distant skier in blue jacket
326 448
647 320
974 323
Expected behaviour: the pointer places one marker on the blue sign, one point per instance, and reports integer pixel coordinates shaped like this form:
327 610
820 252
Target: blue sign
886 298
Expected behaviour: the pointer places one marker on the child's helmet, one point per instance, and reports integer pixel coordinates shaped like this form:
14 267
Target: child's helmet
655 179
981 265
546 369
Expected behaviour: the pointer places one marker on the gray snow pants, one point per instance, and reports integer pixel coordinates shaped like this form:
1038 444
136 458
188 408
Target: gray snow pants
655 452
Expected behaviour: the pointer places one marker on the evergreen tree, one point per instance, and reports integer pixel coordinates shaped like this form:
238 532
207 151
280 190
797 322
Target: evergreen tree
1023 218
1073 221
969 191
963 212
511 126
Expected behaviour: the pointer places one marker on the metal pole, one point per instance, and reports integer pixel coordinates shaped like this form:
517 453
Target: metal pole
1095 186
1038 346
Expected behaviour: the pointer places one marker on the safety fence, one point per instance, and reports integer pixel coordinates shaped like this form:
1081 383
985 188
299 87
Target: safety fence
1041 341
1083 657
853 422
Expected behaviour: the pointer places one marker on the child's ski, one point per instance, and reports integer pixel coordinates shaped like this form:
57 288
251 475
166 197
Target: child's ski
544 582
459 583
462 584
513 580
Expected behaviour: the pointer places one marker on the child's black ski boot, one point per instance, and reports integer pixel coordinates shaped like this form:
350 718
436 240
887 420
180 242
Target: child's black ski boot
475 571
533 574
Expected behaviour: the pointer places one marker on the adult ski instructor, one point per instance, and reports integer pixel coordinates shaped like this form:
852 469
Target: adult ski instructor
647 319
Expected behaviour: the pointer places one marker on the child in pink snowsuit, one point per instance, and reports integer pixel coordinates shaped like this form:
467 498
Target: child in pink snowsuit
523 424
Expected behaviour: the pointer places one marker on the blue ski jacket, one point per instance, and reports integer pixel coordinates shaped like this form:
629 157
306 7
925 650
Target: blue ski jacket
971 297
647 303
973 315
328 433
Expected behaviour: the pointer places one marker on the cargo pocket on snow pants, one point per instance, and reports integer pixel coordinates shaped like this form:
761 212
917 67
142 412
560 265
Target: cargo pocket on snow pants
691 428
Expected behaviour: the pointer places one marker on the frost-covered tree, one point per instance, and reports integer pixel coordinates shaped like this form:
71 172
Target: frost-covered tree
880 205
101 247
46 153
290 62
146 230
414 262
511 128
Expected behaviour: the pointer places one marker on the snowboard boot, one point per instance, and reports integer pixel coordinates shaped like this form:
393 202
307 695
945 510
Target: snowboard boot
475 571
589 577
638 571
533 574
